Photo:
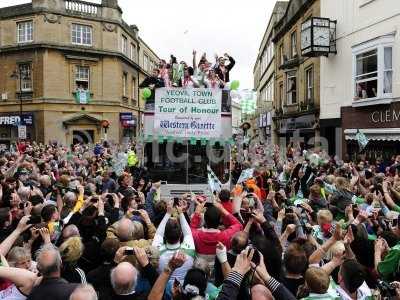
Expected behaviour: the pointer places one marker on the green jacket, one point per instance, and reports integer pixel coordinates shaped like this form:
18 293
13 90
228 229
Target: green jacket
390 265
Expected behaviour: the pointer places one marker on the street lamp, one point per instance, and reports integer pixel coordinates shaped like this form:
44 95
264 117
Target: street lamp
15 76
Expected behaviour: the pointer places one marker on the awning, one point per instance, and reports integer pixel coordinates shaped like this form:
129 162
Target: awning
375 134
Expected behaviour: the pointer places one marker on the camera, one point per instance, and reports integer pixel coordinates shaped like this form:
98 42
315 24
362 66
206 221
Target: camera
129 251
256 255
386 289
33 220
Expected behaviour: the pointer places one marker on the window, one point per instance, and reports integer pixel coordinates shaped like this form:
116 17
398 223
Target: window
26 77
367 74
268 96
373 69
81 34
281 95
293 43
281 58
25 32
124 45
82 77
145 62
271 90
133 88
125 85
133 52
267 56
309 85
291 88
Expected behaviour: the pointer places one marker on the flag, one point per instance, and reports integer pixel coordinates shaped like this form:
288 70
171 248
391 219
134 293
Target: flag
361 139
246 174
213 181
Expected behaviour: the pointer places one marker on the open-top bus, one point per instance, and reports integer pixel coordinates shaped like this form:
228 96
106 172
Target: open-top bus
176 153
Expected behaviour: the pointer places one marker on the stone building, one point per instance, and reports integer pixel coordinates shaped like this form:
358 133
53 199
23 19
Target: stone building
69 67
264 75
297 92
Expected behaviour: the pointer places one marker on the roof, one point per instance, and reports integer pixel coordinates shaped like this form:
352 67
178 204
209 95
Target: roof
144 43
277 13
24 9
11 11
294 10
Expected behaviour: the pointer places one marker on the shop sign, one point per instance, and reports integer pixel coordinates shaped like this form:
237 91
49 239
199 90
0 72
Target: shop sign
127 119
385 116
260 121
22 132
377 116
15 120
125 116
268 119
302 122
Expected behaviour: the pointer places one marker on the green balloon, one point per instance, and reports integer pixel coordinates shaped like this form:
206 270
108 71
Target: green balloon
235 85
146 93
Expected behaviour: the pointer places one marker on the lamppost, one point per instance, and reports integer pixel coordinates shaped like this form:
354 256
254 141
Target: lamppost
17 75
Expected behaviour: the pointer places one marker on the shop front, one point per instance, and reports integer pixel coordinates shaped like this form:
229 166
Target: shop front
9 123
129 125
381 126
297 129
264 125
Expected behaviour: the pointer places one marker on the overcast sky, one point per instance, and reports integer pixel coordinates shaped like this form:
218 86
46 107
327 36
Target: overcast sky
211 26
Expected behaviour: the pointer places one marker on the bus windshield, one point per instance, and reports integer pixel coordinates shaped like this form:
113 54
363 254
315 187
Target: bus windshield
167 161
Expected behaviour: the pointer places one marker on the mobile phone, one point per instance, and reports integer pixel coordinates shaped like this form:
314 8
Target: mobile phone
256 255
395 222
33 220
245 214
129 251
22 205
136 213
176 201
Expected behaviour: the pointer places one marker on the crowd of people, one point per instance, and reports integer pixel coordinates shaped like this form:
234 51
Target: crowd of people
201 74
301 227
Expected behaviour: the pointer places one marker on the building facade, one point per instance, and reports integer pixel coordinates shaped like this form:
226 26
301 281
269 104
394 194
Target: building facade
297 96
360 86
264 75
69 69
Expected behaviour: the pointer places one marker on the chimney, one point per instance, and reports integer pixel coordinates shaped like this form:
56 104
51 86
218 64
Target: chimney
51 5
134 30
111 10
110 3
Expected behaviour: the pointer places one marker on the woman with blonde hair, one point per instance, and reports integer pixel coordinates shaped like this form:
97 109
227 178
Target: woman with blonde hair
341 197
71 251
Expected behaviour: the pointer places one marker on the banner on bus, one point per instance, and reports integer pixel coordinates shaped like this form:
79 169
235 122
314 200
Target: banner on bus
188 112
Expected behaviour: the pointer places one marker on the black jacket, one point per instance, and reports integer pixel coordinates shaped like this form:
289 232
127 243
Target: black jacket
230 288
52 289
158 83
100 279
